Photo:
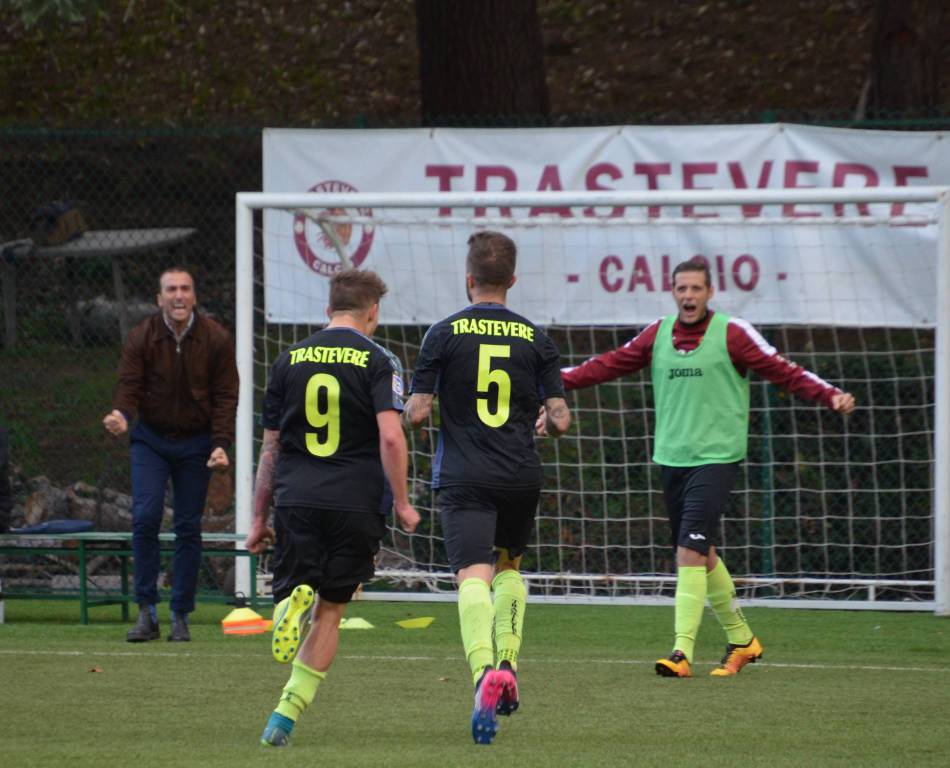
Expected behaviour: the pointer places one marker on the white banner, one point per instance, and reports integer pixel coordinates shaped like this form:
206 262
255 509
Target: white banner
782 264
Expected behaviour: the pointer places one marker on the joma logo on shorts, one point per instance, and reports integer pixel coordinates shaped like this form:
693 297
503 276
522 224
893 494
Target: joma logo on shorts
679 373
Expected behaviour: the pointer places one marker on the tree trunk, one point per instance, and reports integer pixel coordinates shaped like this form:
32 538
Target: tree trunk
480 61
905 58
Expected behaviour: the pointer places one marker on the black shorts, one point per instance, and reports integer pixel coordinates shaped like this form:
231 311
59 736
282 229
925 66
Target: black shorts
477 522
696 498
332 550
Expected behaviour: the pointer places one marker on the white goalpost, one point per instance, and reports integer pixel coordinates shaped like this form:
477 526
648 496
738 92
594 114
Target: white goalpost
853 284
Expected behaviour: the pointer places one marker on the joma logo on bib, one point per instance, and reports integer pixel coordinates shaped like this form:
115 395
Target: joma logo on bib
680 373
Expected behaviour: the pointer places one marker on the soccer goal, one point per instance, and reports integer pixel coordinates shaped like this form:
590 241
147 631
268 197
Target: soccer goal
853 284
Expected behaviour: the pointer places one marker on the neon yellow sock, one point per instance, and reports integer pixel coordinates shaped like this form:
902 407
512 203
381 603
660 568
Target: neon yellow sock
300 690
722 597
510 604
690 599
475 621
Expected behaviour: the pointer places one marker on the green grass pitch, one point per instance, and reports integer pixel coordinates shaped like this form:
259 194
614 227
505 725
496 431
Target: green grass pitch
835 688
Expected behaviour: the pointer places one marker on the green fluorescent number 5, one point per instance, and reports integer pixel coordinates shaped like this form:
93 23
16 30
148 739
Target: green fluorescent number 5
328 418
486 377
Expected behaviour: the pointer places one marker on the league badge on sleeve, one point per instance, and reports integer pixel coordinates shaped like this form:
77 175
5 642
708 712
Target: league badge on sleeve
397 384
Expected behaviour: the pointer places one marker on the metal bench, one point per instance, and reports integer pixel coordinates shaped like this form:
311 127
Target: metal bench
84 546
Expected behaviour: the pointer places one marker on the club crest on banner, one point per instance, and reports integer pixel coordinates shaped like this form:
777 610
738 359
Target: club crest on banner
327 246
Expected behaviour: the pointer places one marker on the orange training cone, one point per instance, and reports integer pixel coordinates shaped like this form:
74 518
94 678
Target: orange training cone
244 621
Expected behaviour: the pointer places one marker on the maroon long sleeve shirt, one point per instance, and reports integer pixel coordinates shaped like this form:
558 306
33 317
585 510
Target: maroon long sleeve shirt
748 350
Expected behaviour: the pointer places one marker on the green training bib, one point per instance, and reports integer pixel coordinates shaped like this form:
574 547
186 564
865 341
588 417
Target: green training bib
702 403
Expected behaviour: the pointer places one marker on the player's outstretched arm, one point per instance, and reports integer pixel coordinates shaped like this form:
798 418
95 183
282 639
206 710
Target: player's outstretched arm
394 455
417 410
842 403
631 357
260 534
748 349
554 419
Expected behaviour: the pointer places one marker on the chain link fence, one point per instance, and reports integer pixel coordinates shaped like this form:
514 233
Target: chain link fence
150 199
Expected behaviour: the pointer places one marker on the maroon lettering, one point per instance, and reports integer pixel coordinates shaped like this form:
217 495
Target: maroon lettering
652 171
445 174
485 172
743 283
721 272
592 182
902 173
640 275
551 181
794 169
611 285
739 182
741 272
690 172
841 173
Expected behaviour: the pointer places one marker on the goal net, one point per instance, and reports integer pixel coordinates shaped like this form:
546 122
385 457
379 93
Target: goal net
851 284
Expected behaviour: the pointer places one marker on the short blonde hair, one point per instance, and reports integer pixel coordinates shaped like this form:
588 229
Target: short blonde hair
355 289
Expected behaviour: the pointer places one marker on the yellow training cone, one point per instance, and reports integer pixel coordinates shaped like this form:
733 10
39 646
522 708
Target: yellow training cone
244 621
355 623
418 623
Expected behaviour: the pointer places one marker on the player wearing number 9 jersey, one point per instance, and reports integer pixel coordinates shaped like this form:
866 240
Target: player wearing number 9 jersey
492 370
331 432
323 397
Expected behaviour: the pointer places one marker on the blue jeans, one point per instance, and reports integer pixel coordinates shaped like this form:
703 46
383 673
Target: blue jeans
154 460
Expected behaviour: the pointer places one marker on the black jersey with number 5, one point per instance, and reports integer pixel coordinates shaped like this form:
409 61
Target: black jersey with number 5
491 369
323 395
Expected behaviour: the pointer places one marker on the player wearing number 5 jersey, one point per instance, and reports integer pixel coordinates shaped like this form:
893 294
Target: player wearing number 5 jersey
492 370
331 432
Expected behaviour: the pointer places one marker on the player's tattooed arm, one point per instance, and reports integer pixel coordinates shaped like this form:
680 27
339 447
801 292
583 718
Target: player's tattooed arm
260 534
417 410
554 417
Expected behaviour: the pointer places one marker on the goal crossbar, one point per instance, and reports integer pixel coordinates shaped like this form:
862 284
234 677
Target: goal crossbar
246 203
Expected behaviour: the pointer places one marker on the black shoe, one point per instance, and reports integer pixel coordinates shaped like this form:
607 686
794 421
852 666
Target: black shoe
144 629
179 632
509 701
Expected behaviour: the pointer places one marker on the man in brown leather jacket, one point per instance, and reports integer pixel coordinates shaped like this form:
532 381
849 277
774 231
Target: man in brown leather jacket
178 377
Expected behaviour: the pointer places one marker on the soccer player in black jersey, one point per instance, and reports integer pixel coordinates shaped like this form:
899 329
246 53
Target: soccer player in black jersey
331 432
492 370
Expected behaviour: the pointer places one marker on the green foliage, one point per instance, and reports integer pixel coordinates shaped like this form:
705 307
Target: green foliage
33 12
52 399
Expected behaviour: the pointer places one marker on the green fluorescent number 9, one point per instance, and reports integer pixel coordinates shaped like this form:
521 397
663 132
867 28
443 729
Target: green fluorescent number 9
328 418
486 377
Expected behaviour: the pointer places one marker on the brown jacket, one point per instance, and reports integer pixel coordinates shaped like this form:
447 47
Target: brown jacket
179 393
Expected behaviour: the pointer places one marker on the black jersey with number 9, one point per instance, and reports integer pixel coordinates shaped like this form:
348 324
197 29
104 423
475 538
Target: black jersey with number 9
491 369
323 395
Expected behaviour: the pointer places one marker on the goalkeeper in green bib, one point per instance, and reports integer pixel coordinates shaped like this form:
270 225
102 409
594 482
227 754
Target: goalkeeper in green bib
699 362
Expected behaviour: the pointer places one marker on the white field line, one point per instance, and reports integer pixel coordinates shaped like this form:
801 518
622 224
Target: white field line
622 662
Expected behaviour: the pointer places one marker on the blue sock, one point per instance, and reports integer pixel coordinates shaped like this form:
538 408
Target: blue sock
153 611
181 616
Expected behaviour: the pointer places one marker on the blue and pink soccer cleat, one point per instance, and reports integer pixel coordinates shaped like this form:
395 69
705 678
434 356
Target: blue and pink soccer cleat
487 694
